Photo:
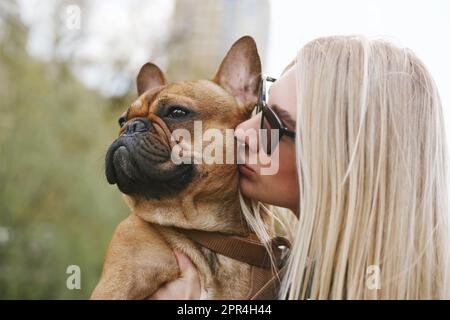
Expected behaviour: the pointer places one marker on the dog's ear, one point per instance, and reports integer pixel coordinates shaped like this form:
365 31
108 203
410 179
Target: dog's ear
150 76
240 71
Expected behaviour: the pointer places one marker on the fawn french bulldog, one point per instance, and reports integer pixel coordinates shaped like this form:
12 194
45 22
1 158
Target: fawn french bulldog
170 202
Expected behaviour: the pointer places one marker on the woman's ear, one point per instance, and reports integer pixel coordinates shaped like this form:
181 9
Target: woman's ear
240 71
149 77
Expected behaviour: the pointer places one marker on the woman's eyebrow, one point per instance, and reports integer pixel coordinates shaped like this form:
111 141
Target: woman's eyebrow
285 117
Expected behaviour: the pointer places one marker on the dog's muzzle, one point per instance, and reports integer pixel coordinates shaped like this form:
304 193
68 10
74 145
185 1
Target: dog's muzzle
139 161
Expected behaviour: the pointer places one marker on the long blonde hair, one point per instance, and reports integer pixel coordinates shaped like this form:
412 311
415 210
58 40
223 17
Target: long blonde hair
372 165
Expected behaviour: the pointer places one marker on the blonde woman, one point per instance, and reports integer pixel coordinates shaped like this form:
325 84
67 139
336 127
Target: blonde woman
365 172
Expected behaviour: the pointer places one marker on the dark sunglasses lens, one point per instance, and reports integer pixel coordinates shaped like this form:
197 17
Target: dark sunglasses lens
267 135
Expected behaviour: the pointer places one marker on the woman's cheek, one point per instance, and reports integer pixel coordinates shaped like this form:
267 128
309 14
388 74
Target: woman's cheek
284 184
279 188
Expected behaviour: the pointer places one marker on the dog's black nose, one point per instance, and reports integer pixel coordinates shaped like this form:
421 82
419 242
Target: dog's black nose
137 125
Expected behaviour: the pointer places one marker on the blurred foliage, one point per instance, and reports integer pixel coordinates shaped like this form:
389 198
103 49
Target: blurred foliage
55 204
56 208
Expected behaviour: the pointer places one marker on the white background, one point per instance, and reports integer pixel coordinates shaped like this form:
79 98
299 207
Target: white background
423 26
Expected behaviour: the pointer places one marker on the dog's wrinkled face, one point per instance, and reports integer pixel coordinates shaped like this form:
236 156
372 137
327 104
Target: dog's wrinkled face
139 161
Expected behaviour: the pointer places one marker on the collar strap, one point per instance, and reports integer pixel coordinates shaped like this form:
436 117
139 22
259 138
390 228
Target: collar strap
247 249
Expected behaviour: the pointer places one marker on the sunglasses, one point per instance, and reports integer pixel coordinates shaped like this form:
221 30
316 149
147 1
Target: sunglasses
269 121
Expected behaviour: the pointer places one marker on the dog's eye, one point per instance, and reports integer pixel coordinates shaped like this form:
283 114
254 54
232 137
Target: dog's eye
122 121
177 112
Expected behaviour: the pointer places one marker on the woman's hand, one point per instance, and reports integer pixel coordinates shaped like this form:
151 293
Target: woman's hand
186 287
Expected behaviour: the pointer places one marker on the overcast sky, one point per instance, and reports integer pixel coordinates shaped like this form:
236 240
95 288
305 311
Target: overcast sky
423 26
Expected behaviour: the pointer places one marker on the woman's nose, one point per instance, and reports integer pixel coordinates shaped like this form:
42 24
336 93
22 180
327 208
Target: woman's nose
248 129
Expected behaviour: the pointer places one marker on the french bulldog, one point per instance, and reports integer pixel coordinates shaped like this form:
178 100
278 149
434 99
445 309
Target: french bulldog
166 198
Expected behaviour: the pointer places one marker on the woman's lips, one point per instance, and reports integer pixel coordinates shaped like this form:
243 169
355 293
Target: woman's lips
246 170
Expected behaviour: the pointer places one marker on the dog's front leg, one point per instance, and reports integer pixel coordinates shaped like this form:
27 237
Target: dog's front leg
137 263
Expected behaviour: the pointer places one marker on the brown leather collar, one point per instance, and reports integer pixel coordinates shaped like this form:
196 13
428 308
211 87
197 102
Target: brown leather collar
248 249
